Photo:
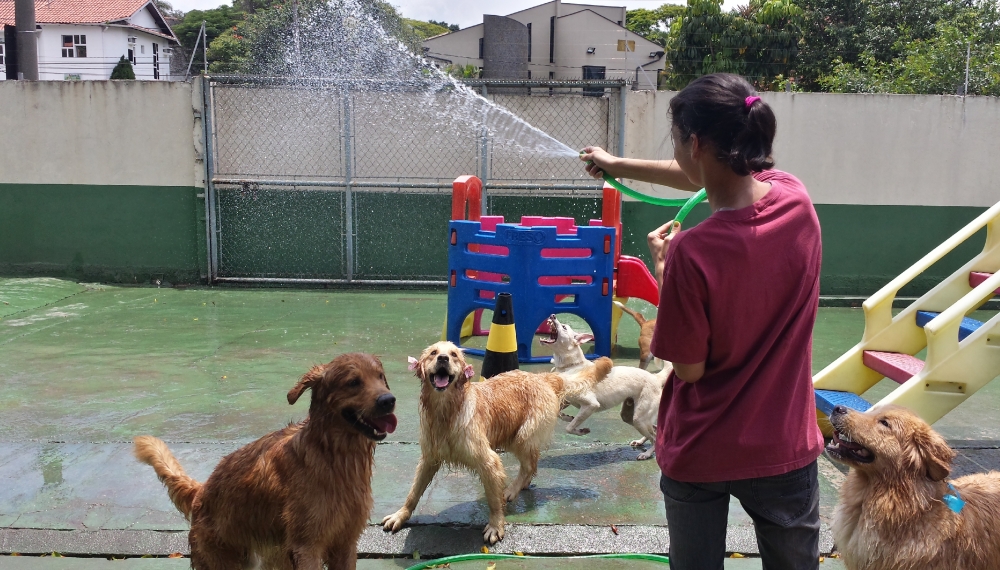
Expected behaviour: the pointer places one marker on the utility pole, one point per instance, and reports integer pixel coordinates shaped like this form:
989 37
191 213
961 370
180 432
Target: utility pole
295 34
968 54
27 41
204 47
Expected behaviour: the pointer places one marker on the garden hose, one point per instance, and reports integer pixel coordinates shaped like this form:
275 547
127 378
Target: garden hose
686 205
477 556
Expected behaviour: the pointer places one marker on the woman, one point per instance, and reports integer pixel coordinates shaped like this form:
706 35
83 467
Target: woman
738 299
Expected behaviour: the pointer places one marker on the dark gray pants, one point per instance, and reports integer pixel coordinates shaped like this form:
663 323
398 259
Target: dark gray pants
784 509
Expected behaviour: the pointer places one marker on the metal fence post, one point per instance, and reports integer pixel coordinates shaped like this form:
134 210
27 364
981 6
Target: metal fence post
211 214
484 157
348 196
622 91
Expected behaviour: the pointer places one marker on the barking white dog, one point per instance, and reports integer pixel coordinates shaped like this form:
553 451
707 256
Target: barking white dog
637 390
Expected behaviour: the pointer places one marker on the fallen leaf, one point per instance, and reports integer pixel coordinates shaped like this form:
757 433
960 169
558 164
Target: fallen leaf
484 550
737 555
614 529
175 555
518 553
416 555
491 565
821 559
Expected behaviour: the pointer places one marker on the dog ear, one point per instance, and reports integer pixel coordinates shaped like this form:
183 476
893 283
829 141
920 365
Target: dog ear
469 371
935 454
414 365
583 337
308 379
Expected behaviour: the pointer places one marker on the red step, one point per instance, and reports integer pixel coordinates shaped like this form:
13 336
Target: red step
894 365
976 279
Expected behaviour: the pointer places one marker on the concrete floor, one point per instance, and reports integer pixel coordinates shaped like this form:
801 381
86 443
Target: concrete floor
85 368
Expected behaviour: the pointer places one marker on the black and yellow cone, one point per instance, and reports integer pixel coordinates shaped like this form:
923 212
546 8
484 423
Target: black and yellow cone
501 344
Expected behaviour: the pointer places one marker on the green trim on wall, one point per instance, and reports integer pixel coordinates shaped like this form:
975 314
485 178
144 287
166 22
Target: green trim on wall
864 247
123 234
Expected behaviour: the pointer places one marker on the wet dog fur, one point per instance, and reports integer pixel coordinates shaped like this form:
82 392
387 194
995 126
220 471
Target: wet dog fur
891 515
298 497
463 423
646 328
636 390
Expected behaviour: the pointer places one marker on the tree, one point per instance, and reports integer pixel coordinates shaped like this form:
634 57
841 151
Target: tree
450 27
123 70
758 41
653 24
168 11
217 21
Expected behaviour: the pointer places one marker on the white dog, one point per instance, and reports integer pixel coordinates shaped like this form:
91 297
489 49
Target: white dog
637 390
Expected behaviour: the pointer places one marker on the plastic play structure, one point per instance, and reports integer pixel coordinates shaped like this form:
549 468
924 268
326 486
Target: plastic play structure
549 264
963 354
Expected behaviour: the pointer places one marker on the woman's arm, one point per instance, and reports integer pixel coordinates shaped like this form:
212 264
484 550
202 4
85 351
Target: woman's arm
689 373
663 172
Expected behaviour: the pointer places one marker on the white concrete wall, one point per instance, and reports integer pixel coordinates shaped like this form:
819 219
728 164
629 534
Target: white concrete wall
461 47
101 132
925 150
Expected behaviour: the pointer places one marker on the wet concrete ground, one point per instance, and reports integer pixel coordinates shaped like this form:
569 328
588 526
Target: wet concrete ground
85 368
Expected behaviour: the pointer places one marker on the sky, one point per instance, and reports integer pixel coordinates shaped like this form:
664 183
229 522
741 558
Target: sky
465 13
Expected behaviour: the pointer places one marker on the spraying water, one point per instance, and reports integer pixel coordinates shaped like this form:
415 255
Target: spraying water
346 40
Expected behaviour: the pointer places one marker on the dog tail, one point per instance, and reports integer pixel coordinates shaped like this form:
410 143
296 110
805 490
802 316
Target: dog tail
181 488
635 314
661 376
583 381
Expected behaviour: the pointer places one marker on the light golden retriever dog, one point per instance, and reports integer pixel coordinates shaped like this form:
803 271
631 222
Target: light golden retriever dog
893 512
463 423
298 497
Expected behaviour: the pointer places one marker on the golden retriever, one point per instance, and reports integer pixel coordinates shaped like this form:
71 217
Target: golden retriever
646 329
295 498
893 512
462 423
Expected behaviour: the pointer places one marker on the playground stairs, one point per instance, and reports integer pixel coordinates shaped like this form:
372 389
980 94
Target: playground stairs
963 354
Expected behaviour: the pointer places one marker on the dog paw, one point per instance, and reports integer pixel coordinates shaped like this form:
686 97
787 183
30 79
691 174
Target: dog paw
493 533
644 455
566 417
394 522
510 494
580 431
637 442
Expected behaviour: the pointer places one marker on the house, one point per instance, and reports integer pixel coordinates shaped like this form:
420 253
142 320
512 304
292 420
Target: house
554 40
84 39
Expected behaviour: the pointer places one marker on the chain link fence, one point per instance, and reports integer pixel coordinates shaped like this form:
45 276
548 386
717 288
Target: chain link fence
320 181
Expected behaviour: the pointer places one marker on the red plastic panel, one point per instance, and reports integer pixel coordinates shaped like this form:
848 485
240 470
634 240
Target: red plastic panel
894 365
976 279
635 280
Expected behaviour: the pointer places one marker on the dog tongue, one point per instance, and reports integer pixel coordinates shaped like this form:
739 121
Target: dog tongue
386 423
441 380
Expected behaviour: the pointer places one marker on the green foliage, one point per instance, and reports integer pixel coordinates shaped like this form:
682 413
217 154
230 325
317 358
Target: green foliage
123 70
933 63
463 71
167 9
653 24
228 53
450 27
217 21
758 41
426 30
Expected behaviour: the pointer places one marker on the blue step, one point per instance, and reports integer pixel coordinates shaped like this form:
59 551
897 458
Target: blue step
826 400
967 327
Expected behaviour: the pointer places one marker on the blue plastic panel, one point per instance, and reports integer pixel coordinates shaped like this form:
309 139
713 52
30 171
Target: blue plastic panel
967 327
826 400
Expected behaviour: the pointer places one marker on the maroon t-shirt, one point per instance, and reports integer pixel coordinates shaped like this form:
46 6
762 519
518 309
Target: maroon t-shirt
740 292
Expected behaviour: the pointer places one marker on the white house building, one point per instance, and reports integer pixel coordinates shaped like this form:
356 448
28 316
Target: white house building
84 39
554 40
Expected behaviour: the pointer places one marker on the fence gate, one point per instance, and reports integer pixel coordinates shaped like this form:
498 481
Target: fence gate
319 181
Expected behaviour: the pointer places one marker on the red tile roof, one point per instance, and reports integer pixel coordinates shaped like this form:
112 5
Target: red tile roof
75 11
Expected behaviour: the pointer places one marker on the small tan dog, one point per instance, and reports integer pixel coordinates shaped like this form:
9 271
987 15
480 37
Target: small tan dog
295 498
598 386
893 512
462 423
646 328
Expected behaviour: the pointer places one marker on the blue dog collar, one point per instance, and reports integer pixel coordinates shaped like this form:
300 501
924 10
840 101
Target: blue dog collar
953 499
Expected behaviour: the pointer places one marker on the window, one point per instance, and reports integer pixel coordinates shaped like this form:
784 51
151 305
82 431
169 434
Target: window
131 49
529 42
529 74
74 46
1 53
142 48
156 62
593 72
630 45
480 48
552 39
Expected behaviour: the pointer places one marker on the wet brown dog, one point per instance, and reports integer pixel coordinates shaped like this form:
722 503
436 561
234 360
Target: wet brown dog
462 423
646 328
892 513
295 498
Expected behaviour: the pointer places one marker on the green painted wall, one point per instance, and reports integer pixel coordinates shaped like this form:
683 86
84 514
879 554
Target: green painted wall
133 233
124 234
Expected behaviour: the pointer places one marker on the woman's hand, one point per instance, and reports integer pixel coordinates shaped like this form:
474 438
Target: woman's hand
598 160
659 243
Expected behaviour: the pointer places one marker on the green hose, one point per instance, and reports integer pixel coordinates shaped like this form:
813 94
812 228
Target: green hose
686 205
477 556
